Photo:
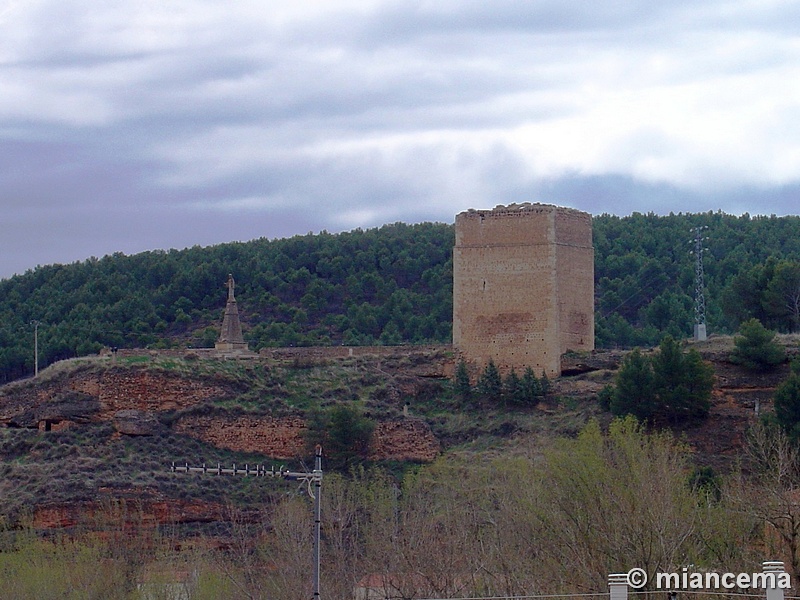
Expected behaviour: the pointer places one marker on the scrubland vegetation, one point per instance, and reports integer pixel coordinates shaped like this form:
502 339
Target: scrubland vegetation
549 516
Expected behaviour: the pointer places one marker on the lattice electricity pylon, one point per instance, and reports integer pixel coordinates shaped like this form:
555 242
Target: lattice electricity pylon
699 285
313 479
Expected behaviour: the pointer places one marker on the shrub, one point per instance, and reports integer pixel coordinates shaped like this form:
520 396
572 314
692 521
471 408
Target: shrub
604 397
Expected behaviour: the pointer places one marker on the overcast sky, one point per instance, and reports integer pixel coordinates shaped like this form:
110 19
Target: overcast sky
136 125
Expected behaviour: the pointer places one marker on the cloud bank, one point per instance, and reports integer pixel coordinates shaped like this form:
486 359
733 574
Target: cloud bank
127 126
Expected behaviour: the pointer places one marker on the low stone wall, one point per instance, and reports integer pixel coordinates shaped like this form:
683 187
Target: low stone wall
284 353
338 352
170 353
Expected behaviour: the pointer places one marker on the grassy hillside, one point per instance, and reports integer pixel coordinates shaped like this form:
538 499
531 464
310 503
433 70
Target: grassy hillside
77 463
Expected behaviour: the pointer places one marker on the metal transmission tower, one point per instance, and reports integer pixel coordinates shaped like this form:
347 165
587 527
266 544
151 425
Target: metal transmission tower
313 480
35 347
700 334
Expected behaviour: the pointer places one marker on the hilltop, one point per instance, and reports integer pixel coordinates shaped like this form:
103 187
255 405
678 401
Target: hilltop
391 285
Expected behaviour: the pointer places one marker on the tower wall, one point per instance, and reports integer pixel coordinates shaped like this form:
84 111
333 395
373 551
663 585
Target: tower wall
574 275
523 286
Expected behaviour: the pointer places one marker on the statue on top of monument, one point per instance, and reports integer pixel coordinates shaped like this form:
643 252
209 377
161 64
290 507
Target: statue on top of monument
230 284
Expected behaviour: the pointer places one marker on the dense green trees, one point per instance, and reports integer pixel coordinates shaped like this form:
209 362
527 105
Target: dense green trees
492 387
782 296
645 274
391 285
769 292
669 386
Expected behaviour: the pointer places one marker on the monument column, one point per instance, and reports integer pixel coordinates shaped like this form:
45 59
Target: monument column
230 336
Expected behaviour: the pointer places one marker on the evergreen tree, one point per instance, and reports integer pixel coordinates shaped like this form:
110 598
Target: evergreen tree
782 296
683 383
316 431
490 384
530 387
512 388
743 296
544 384
787 402
755 347
343 432
463 386
604 396
633 394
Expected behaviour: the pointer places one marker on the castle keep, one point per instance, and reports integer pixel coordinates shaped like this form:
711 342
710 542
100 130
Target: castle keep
523 286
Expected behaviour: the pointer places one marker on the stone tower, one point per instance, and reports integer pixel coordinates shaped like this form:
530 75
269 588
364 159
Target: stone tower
523 286
230 337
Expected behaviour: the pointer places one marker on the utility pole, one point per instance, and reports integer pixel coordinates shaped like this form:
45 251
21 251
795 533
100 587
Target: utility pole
35 348
700 334
313 480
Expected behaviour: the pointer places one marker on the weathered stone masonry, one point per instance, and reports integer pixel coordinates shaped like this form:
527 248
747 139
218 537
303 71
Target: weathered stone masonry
523 286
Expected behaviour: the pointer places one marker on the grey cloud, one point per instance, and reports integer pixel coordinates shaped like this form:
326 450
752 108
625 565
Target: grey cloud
180 126
622 195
